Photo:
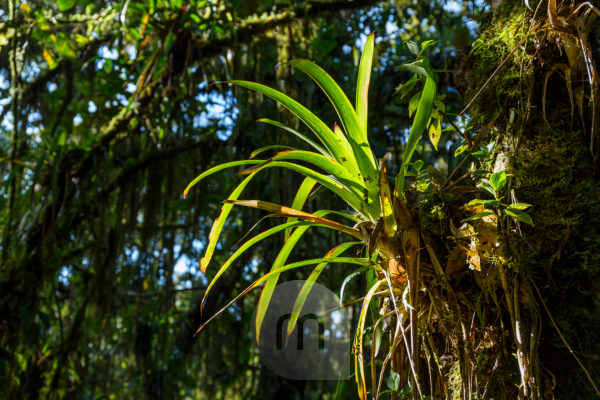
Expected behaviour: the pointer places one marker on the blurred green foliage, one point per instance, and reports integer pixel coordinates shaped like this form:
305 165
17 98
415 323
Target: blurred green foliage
107 109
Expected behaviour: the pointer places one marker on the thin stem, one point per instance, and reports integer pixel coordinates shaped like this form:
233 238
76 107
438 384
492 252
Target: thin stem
585 371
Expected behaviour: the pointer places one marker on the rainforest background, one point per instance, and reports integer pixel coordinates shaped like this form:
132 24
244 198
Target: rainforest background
109 108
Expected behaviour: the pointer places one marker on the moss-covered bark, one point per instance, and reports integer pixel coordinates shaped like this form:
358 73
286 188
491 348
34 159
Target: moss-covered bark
551 167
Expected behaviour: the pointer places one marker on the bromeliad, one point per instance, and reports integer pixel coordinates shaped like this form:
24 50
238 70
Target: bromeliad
342 161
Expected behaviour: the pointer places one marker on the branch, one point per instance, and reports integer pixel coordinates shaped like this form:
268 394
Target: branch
250 27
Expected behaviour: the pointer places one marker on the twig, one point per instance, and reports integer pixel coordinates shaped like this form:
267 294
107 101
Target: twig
587 374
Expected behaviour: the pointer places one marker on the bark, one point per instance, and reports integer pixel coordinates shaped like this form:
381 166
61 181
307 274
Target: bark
542 127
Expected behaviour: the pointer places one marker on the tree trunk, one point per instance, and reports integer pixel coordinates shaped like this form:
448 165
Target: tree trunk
540 108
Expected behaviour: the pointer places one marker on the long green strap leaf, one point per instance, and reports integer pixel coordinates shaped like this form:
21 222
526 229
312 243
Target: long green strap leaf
337 146
301 196
340 260
354 200
267 148
284 253
217 169
249 243
359 366
311 142
304 263
217 227
362 84
309 283
358 142
418 126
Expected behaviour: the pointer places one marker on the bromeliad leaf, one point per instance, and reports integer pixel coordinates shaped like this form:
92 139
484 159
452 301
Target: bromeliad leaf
419 123
311 142
336 145
362 84
284 253
301 196
290 212
267 148
309 283
360 148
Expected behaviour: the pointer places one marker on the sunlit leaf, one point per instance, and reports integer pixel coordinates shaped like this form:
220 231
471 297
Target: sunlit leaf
359 367
290 212
412 47
299 264
477 216
419 123
435 133
217 169
66 5
357 138
337 146
498 180
267 148
519 215
311 142
518 206
280 260
301 196
309 283
362 85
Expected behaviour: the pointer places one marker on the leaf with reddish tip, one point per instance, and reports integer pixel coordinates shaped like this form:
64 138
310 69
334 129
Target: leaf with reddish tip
290 212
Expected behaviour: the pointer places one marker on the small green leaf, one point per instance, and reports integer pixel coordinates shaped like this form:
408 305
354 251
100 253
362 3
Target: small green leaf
65 5
413 103
490 204
435 133
519 215
107 65
518 206
81 40
498 180
418 165
413 47
427 44
414 68
393 381
404 89
488 188
475 202
440 105
477 216
460 149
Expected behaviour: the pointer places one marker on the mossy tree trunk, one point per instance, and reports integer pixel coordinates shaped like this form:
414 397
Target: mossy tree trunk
540 109
523 320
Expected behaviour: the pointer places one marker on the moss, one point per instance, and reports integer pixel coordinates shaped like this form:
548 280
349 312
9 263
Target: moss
510 87
551 168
